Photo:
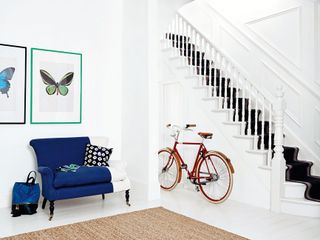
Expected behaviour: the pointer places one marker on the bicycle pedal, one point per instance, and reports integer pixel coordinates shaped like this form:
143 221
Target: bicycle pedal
184 166
199 183
197 188
202 183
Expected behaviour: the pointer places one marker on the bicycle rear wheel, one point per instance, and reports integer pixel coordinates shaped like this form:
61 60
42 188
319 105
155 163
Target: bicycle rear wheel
169 169
215 177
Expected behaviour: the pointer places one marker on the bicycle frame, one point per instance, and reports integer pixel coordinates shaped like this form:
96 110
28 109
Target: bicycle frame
202 151
210 170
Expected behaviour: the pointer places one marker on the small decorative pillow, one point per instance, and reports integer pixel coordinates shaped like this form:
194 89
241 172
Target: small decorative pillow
97 156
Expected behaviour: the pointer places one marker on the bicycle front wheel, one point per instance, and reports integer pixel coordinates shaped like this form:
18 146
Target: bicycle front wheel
169 169
215 177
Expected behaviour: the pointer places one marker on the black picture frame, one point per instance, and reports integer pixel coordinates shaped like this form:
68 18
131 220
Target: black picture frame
22 60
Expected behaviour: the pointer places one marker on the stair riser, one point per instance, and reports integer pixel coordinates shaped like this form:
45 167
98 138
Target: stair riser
212 103
234 130
225 91
300 209
220 116
253 113
218 82
294 191
240 104
195 61
266 142
296 173
291 154
259 128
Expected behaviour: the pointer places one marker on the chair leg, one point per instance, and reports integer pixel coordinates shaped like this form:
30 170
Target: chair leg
127 197
103 197
44 203
51 210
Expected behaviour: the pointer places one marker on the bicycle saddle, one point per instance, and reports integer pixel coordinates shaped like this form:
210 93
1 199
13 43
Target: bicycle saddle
205 135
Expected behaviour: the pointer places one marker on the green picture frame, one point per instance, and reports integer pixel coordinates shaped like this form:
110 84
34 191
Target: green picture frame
55 87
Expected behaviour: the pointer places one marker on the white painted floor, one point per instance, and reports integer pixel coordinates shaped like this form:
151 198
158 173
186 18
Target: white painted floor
72 211
244 220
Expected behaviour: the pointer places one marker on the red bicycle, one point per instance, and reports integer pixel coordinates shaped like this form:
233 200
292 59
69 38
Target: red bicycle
211 172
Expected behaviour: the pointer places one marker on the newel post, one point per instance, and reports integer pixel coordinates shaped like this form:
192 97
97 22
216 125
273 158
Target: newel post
278 164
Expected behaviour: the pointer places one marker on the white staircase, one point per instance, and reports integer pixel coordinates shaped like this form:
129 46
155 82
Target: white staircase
253 166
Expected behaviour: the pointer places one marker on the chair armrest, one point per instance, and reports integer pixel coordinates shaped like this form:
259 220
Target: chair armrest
117 164
45 171
47 177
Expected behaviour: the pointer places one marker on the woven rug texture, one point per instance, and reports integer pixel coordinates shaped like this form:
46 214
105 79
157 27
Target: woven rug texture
149 224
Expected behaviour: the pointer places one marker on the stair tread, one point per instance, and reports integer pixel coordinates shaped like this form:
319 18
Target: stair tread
299 163
244 136
210 98
301 201
311 179
296 184
258 151
232 123
299 171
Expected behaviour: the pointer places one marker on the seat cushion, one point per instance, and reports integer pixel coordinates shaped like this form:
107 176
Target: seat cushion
83 176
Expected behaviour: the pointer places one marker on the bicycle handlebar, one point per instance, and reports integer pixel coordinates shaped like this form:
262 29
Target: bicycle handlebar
190 125
176 129
181 128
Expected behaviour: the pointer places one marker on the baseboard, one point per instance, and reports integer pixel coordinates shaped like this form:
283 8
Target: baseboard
5 200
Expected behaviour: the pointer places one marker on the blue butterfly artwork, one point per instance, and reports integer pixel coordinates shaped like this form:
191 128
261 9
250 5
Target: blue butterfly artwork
5 76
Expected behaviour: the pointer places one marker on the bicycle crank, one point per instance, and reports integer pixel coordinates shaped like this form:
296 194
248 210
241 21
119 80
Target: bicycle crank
195 182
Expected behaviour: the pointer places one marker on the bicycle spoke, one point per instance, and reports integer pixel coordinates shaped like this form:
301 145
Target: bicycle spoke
168 170
219 181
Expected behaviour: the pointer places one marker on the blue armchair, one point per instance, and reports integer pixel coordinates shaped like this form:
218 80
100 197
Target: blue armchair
52 153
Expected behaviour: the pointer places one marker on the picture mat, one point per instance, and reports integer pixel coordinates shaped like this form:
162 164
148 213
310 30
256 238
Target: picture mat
54 58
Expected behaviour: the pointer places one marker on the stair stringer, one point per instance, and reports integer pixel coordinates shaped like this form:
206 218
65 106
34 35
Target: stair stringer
251 180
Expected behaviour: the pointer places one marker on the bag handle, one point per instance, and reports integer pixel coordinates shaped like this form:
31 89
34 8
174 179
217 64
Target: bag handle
30 178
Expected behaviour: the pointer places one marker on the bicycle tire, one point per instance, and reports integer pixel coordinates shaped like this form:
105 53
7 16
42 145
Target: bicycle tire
169 162
215 169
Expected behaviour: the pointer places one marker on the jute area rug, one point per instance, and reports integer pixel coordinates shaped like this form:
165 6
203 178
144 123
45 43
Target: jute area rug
149 224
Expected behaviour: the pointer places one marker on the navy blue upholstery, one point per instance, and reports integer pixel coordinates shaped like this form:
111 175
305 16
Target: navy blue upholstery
79 191
83 176
55 152
52 153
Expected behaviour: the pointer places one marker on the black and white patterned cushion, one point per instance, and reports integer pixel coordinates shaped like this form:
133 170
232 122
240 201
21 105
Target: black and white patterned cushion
97 156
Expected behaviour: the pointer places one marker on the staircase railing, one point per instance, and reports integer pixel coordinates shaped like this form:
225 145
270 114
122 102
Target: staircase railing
258 116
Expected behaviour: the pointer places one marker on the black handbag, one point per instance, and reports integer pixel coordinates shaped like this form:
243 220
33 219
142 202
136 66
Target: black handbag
25 196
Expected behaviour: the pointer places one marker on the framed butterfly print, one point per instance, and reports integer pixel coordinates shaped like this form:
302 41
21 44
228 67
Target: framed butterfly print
12 84
56 87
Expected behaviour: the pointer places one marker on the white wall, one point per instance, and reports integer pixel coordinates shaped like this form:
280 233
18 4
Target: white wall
273 43
90 27
144 22
135 89
160 13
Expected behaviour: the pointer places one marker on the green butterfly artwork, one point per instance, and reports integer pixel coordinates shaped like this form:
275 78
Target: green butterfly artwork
53 86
